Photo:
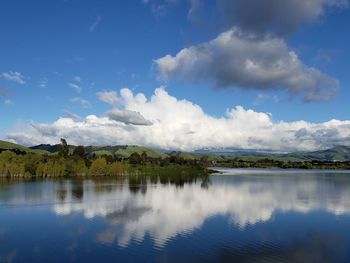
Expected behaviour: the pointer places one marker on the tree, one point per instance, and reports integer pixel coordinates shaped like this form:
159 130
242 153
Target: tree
115 168
63 149
99 166
79 151
143 158
135 158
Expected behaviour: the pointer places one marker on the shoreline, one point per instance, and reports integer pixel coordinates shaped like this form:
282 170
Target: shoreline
276 170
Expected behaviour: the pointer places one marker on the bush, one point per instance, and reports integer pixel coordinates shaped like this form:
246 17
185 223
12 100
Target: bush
98 167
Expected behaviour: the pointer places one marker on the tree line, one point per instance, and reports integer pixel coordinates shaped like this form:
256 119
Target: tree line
270 163
78 163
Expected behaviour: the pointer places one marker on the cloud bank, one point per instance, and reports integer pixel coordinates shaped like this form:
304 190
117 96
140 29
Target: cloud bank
246 61
252 52
163 121
274 16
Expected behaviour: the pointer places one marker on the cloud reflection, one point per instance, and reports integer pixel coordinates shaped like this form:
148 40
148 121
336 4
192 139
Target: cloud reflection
164 211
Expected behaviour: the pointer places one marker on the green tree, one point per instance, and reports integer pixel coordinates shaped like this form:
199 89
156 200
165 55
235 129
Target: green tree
63 149
135 158
98 166
143 158
79 151
115 168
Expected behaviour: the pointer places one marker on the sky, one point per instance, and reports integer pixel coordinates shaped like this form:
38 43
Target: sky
176 74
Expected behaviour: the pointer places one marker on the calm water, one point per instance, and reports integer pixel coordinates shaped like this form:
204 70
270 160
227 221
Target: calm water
238 216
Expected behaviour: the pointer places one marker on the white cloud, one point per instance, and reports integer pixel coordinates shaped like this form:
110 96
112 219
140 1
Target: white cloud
71 115
95 24
14 76
82 102
76 87
235 59
109 97
181 124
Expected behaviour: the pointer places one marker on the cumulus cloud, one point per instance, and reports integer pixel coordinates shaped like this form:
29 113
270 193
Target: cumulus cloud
237 59
82 102
261 17
109 97
14 76
183 125
128 117
252 53
274 16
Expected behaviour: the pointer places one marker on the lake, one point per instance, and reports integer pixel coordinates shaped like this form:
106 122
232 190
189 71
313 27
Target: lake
240 215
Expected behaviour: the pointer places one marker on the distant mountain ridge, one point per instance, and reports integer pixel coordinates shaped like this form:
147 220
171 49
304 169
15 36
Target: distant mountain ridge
338 153
121 150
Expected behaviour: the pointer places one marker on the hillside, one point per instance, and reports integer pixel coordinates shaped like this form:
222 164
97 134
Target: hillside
339 153
4 145
120 150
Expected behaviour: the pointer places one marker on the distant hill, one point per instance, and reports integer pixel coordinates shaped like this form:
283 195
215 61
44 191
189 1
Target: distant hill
46 147
339 153
4 145
120 150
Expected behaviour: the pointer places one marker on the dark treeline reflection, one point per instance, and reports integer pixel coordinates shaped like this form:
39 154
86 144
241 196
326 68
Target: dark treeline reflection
138 183
75 187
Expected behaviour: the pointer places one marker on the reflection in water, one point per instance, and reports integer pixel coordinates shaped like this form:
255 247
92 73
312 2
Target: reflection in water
165 210
140 207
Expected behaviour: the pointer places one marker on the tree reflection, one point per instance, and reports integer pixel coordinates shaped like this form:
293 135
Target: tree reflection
78 189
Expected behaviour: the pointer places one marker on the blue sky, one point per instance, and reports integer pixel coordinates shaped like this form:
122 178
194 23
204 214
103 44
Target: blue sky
56 56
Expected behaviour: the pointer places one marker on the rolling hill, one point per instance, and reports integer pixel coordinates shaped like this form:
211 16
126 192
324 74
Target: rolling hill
4 145
119 150
339 153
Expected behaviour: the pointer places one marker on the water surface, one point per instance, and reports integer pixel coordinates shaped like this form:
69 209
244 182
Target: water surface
237 216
